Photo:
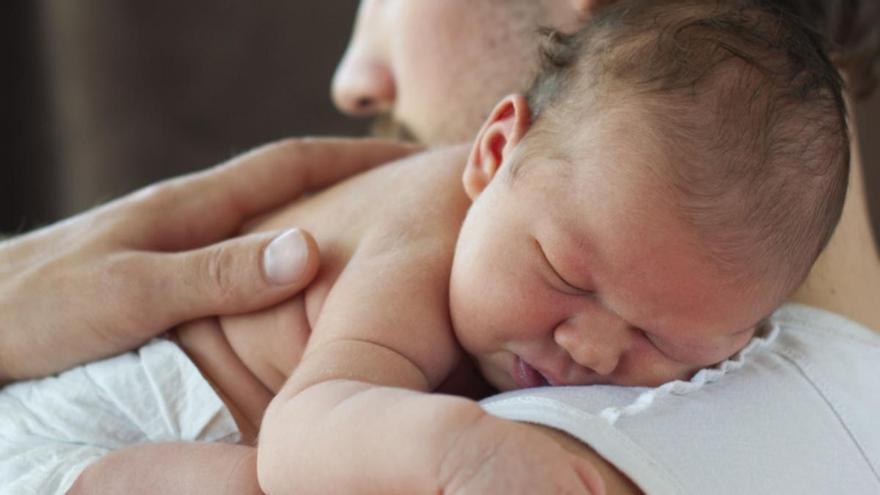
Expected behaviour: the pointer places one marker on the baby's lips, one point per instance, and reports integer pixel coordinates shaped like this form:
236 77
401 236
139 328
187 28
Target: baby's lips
525 376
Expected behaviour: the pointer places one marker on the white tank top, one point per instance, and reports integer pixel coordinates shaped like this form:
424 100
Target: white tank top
797 411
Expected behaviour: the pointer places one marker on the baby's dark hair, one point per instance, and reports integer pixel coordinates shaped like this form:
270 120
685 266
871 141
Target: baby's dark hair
743 101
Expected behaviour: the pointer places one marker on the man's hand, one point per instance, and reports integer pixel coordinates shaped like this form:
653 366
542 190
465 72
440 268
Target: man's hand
113 277
505 458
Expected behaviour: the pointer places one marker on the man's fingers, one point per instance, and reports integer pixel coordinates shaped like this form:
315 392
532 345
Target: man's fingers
210 205
237 276
589 476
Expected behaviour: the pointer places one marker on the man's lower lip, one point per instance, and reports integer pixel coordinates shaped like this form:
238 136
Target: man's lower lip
525 376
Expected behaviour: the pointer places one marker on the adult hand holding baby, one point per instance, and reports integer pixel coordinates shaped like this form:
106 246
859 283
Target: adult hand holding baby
113 277
507 458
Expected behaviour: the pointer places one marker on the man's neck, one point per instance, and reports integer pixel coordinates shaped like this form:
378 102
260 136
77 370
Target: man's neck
846 277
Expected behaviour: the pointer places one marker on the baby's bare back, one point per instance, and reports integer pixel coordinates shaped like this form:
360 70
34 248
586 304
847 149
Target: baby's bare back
247 358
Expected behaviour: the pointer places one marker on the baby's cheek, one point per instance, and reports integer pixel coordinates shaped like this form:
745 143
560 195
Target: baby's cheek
645 366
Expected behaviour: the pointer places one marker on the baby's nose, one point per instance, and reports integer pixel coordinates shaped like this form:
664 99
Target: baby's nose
598 349
363 85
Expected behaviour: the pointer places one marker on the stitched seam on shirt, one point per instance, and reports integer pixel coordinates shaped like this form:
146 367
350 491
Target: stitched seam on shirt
793 358
703 378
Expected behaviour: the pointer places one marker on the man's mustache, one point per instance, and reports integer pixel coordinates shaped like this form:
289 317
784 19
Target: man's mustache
386 126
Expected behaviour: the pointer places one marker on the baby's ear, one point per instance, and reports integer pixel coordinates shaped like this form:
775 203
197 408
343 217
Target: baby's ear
503 130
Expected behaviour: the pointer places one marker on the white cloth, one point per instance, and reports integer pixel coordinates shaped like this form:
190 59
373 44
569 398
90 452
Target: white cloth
796 412
52 429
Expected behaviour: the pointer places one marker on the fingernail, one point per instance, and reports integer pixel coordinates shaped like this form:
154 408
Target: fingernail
285 258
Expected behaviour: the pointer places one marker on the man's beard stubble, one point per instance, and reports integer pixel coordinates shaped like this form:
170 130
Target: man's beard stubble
386 126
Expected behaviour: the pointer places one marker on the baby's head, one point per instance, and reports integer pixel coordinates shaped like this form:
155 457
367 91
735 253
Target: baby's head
667 183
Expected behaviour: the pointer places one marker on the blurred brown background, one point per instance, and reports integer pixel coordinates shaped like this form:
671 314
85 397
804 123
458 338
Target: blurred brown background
108 95
104 96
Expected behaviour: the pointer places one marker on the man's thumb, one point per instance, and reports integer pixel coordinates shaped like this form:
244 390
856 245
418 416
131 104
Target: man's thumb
245 274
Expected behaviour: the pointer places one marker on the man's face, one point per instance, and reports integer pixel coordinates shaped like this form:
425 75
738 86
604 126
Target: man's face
437 66
578 272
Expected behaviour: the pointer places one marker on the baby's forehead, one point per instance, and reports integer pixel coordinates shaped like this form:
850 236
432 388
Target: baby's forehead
673 289
619 152
620 230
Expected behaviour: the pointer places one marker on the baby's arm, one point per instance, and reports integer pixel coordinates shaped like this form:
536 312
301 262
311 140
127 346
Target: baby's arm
384 323
169 468
338 422
358 438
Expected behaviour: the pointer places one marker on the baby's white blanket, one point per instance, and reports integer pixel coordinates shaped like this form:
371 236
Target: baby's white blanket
52 429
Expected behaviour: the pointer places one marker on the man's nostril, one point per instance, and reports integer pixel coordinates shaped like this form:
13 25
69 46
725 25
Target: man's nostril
364 103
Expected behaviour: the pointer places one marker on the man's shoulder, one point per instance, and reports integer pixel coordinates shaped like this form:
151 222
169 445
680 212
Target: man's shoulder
820 323
810 335
840 361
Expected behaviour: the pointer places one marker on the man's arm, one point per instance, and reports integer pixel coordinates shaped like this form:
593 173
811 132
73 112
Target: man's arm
616 483
112 278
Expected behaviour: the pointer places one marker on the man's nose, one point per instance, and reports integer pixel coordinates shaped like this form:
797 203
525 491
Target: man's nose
363 84
595 342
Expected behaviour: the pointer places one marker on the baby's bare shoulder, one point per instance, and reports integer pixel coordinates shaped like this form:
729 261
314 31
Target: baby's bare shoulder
423 197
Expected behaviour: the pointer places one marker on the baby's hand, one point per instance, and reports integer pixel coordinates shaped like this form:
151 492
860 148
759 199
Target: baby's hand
505 458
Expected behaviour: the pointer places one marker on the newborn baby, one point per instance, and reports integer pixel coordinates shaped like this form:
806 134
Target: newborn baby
663 187
669 179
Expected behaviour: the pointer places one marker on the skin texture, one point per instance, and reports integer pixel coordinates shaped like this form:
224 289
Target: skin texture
81 270
159 470
481 42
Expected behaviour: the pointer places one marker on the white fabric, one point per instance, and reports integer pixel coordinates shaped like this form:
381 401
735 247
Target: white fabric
52 429
796 412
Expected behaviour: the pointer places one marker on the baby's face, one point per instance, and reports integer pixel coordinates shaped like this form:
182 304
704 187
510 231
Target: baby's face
580 273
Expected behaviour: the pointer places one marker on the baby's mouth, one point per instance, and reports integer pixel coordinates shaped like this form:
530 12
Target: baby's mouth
525 376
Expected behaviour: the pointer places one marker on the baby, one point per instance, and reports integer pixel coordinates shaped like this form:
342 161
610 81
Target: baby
668 180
